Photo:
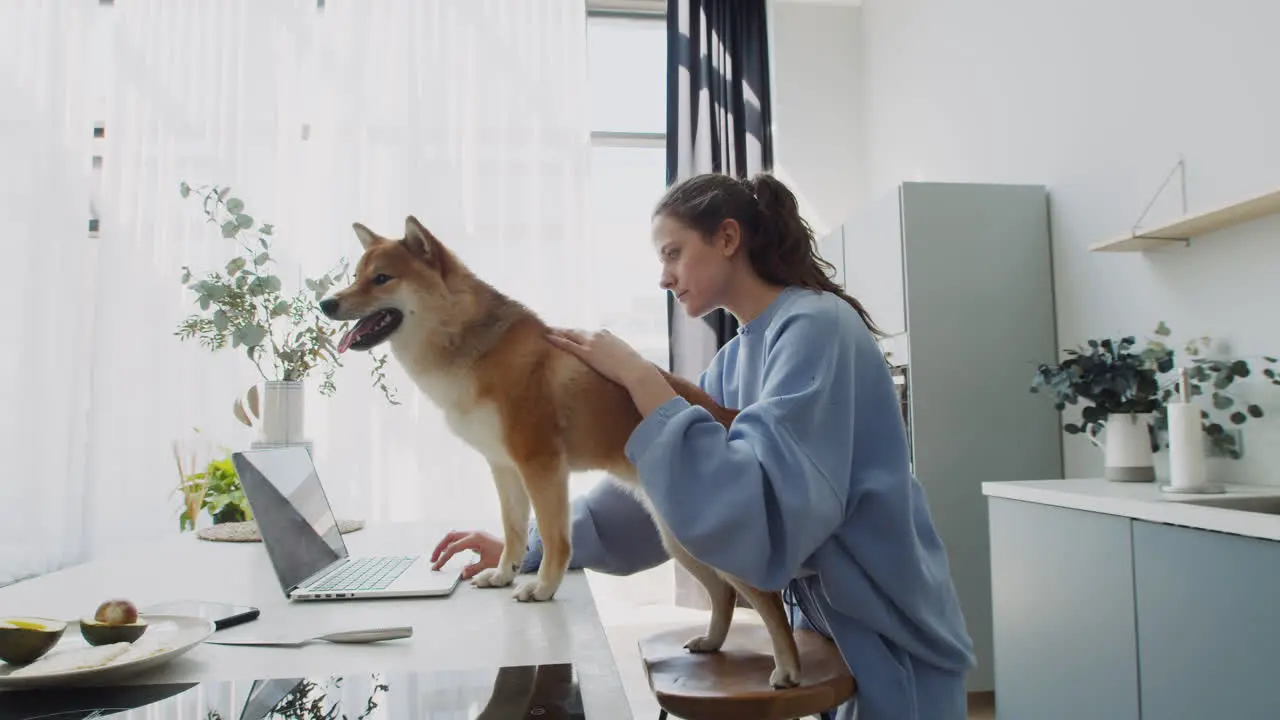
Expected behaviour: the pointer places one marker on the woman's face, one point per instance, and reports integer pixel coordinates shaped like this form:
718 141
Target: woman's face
695 268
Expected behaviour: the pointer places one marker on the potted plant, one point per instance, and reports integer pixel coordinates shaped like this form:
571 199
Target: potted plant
244 305
1211 378
211 486
1123 388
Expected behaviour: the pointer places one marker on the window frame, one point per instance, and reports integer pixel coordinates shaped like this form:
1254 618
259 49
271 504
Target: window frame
654 11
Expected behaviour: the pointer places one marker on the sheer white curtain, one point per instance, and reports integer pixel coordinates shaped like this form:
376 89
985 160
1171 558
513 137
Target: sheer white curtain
468 114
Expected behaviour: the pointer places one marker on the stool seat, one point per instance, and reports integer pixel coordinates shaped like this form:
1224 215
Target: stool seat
734 683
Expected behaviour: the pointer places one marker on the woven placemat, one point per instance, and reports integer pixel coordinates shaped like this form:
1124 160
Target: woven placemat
248 531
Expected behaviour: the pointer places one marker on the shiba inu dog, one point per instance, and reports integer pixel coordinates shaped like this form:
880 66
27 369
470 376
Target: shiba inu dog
535 412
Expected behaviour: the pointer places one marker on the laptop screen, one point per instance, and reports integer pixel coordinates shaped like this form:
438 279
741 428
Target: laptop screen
291 510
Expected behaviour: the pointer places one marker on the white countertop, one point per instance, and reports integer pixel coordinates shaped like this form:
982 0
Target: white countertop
473 628
1145 501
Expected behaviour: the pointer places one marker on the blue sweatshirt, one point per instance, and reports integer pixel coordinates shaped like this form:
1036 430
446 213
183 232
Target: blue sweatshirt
813 482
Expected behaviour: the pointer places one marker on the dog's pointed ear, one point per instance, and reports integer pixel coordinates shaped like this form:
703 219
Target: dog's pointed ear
424 246
367 237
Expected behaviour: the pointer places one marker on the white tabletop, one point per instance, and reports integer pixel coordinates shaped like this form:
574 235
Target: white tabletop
472 628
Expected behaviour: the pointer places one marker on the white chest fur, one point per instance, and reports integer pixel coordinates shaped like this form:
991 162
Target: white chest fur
474 421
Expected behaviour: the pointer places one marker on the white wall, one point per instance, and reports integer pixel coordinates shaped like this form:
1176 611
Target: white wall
1096 100
814 60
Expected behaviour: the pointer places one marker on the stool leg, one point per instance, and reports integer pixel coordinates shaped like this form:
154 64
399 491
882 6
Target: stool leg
662 714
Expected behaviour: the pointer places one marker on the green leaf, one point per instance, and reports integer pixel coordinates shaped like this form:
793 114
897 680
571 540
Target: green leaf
220 320
1240 369
1269 359
280 308
251 335
184 189
235 205
1238 417
204 302
273 283
1163 330
1222 402
186 277
263 243
261 259
266 229
235 266
224 192
1254 411
244 221
1072 429
229 229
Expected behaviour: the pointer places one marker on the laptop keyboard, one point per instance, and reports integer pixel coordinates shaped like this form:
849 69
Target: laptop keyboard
369 573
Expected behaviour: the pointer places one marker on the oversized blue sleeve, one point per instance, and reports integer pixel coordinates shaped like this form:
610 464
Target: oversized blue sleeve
611 533
756 500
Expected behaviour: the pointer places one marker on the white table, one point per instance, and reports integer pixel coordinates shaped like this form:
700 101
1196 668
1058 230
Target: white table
473 628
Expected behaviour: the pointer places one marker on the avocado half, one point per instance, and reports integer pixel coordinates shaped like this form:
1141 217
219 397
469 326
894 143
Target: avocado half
96 633
26 639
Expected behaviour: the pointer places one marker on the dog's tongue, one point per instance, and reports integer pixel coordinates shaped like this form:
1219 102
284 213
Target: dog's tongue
354 333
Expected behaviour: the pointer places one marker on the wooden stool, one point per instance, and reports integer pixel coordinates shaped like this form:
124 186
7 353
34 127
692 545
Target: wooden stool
734 683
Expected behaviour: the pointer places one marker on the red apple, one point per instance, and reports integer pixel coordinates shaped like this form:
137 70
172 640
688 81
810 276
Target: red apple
116 612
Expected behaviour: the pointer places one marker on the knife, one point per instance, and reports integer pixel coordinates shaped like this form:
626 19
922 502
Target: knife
349 636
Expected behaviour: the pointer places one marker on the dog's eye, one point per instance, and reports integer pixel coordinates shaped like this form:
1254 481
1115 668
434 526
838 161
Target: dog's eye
381 279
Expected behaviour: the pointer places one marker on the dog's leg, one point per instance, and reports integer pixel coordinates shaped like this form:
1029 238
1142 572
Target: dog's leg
786 656
722 594
547 482
515 526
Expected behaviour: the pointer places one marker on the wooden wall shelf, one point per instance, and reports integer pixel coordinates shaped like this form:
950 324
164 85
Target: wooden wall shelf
1182 230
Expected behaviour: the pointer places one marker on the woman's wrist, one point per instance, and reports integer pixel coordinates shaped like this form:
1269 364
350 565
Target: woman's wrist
649 389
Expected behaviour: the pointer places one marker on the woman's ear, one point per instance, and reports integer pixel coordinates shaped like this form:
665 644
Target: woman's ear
728 237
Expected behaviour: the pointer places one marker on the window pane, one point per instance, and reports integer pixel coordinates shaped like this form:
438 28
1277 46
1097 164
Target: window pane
626 183
627 62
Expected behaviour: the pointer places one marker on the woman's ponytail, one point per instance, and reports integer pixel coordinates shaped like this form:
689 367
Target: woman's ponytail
785 252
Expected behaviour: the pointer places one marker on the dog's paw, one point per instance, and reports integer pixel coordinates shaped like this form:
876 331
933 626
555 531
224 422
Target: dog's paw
784 678
494 577
704 644
534 591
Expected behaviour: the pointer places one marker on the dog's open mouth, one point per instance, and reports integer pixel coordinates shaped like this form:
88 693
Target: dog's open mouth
372 329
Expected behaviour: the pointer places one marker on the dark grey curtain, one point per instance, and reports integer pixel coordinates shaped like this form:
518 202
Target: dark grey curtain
718 120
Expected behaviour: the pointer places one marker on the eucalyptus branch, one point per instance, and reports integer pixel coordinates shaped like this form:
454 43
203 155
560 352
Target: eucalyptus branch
244 305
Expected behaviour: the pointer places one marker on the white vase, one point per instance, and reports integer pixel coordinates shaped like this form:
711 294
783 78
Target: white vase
1127 447
282 413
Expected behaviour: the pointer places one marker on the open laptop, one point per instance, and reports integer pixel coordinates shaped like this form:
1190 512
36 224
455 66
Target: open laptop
302 538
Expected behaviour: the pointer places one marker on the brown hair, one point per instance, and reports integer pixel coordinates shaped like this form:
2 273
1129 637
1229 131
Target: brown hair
779 242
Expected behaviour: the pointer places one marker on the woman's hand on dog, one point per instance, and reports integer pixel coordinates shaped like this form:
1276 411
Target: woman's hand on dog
608 354
487 546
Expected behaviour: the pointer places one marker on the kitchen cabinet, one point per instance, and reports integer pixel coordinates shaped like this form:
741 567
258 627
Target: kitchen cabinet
1063 599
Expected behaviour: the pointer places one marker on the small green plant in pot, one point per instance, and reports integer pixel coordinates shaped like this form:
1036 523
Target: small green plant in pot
1122 388
215 489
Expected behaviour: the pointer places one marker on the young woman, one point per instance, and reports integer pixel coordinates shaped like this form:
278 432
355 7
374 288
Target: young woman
811 490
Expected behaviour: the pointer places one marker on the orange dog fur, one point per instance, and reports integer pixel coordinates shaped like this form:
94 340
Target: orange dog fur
534 412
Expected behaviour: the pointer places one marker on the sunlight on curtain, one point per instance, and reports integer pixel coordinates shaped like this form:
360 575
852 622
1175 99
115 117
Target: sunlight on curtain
468 114
48 289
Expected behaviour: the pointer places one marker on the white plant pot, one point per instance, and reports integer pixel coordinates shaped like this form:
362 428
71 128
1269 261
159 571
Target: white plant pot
282 412
1126 448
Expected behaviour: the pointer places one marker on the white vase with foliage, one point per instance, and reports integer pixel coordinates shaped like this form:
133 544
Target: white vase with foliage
243 306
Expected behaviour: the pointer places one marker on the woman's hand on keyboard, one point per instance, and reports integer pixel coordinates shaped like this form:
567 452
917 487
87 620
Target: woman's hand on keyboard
488 547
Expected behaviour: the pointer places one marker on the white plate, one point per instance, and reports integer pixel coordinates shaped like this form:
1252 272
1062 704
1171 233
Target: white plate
176 634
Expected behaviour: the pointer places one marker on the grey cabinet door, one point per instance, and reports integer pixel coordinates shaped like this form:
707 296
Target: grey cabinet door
1208 623
1062 598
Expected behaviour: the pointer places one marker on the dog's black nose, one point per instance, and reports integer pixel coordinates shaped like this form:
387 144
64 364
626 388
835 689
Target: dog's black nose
329 306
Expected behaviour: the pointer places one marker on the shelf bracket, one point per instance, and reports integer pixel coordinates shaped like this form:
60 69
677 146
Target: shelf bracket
1179 169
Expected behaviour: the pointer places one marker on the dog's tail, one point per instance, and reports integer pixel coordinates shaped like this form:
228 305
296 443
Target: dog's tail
697 396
